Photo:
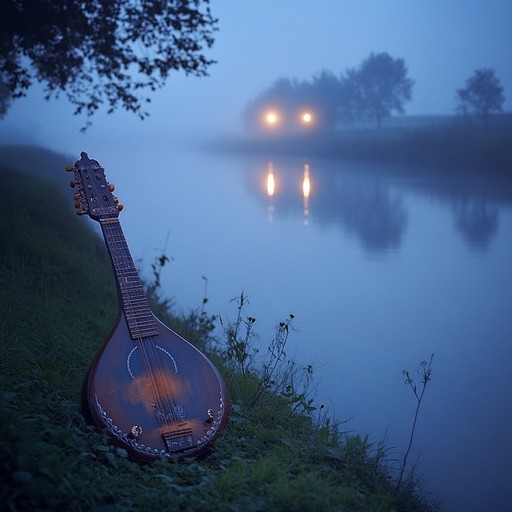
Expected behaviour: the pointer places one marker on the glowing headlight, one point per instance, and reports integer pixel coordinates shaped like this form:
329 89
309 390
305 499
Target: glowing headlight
271 118
306 117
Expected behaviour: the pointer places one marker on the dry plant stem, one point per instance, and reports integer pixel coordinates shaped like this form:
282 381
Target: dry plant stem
425 371
277 354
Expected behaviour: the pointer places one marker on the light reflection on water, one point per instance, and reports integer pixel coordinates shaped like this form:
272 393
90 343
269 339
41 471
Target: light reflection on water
372 209
381 267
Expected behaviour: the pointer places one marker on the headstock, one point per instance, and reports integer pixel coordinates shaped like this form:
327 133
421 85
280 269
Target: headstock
93 194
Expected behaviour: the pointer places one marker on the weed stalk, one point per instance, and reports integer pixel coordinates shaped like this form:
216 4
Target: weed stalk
425 372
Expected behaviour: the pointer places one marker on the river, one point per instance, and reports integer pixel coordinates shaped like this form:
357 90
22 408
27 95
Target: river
381 266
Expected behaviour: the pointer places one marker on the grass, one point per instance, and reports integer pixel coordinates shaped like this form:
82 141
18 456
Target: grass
57 304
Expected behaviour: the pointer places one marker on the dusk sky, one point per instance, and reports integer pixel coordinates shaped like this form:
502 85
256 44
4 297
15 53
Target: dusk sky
442 42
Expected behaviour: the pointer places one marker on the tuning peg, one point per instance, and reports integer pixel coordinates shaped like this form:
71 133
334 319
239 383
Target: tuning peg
111 187
69 168
80 212
119 207
72 183
77 204
76 196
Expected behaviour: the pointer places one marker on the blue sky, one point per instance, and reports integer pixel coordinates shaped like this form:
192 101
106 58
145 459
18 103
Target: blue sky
442 42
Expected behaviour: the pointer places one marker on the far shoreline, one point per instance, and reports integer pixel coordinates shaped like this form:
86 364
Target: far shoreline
444 146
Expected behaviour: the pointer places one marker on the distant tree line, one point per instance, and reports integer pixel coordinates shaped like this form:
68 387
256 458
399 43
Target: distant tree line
377 89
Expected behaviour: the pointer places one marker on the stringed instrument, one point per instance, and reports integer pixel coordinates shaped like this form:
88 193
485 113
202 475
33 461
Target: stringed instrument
156 394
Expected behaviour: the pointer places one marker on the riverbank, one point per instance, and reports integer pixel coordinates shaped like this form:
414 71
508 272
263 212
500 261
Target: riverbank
58 302
446 146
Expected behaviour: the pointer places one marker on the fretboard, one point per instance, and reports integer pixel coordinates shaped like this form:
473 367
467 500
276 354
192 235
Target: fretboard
140 319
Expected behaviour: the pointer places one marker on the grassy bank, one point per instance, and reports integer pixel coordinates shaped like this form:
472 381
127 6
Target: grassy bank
445 147
57 303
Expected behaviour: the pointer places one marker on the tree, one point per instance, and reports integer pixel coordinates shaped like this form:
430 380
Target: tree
483 95
377 89
101 52
323 95
350 104
5 99
279 99
291 99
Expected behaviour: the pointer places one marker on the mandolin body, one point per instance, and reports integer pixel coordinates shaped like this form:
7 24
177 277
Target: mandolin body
185 416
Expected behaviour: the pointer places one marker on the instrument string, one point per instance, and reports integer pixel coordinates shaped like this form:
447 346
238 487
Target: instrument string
155 362
164 373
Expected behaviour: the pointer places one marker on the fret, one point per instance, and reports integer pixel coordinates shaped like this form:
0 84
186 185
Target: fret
138 314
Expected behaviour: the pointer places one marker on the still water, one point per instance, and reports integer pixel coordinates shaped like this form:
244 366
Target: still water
381 267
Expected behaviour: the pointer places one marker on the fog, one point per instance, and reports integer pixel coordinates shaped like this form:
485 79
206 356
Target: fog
258 42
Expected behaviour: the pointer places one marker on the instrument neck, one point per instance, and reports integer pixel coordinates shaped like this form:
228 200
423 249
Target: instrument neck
139 317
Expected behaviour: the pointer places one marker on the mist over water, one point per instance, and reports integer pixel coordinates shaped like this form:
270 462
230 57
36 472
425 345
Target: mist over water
381 267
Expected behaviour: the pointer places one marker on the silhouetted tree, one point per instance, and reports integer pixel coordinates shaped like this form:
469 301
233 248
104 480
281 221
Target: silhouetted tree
279 98
379 87
350 104
5 99
291 98
323 95
483 95
100 51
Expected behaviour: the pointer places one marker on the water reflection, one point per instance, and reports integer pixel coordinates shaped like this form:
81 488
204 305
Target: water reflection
476 220
370 206
366 209
271 182
271 188
306 190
